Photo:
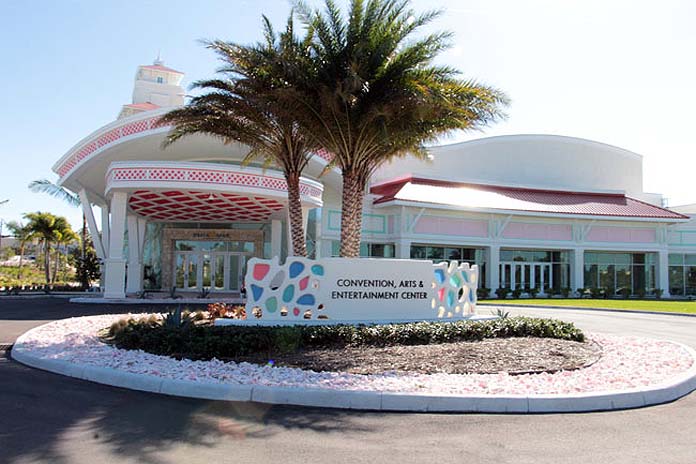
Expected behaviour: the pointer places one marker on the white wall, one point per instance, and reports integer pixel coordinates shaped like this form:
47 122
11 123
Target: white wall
539 161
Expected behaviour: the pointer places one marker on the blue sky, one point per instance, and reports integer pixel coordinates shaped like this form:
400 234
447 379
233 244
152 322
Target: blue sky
620 72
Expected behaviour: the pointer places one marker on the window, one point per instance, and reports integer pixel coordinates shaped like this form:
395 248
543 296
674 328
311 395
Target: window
616 271
438 253
540 269
367 250
160 80
682 274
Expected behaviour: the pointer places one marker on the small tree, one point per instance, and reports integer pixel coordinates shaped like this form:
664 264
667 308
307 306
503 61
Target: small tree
23 234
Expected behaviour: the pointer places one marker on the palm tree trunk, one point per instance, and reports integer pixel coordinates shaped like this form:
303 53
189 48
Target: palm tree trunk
21 258
299 244
351 215
47 262
55 264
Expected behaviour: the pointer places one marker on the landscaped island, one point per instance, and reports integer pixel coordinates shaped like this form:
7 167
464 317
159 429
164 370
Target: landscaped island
513 345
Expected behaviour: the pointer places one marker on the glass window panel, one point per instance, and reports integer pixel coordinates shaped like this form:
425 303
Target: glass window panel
453 253
233 282
638 258
219 263
542 256
623 277
676 280
480 256
676 258
248 247
435 252
364 250
622 258
591 258
506 255
389 250
690 259
469 254
690 278
590 275
192 271
605 258
639 278
207 271
179 277
418 252
335 248
606 277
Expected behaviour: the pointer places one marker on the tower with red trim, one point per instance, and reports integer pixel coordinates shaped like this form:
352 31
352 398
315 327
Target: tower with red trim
156 86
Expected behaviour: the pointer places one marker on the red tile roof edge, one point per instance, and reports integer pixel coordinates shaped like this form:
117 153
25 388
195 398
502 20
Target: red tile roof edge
391 188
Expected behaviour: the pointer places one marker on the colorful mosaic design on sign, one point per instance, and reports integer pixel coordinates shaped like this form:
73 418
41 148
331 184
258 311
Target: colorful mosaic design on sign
455 289
292 289
288 290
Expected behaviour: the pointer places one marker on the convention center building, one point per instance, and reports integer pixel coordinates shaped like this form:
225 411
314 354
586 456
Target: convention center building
533 211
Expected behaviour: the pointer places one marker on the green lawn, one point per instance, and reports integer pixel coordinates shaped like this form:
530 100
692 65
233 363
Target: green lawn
687 307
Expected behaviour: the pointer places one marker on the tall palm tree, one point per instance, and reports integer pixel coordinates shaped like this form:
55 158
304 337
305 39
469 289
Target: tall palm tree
46 186
23 234
45 227
245 104
377 94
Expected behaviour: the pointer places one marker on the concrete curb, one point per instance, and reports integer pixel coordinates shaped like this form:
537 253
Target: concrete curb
581 308
671 390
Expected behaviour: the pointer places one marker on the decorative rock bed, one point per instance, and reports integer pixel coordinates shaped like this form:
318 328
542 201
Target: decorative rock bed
632 372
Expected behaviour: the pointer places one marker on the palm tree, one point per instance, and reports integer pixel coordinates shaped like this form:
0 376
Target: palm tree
23 235
377 95
64 236
46 186
245 104
45 227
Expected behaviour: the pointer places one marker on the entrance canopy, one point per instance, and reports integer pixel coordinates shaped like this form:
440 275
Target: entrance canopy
205 192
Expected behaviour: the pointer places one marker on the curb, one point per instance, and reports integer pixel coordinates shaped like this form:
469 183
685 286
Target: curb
666 392
581 308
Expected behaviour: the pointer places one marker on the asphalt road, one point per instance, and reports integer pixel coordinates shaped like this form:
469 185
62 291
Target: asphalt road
54 419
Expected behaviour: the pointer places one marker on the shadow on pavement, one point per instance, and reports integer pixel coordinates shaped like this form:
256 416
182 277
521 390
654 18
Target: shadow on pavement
40 411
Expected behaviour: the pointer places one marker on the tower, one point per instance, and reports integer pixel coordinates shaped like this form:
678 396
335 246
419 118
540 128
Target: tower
156 86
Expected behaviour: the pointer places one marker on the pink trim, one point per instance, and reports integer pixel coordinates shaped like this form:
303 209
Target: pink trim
621 234
108 138
433 225
210 176
538 231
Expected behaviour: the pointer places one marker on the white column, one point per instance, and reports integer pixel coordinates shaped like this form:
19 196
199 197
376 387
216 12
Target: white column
92 225
493 268
578 274
115 266
276 237
663 272
105 229
134 282
403 249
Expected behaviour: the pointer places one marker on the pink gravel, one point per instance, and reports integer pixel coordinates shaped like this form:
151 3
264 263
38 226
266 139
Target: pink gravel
627 363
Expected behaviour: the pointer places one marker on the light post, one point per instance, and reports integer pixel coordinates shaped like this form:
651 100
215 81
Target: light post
2 223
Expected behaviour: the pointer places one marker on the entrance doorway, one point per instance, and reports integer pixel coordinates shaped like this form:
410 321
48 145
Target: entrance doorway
526 275
217 271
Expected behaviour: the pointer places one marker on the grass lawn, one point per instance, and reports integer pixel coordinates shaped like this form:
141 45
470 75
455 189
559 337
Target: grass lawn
686 307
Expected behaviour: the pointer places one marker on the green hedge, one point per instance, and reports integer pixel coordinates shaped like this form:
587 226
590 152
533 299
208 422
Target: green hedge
206 342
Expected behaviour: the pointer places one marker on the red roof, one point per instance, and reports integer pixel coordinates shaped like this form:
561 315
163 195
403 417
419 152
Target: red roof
159 67
483 196
143 106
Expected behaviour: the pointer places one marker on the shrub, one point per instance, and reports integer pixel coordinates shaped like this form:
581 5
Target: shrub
581 292
658 293
516 293
625 292
565 292
533 292
502 292
206 341
483 293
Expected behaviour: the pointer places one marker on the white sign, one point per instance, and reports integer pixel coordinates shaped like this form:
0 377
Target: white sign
359 289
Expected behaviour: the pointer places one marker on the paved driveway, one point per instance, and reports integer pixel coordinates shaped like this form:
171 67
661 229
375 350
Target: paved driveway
49 418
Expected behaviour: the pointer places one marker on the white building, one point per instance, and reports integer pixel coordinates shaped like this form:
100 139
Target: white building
534 211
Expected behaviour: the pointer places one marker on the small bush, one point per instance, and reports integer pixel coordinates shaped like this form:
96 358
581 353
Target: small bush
517 293
206 342
502 292
483 293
